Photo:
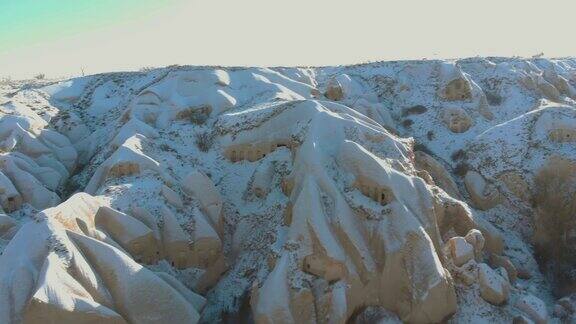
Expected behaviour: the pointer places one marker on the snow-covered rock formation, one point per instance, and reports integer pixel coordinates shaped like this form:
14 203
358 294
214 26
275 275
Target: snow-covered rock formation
417 191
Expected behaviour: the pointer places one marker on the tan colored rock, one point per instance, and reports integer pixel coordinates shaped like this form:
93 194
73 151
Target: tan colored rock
548 89
132 127
30 180
135 289
458 216
332 305
498 261
493 287
460 250
206 246
128 159
134 237
562 135
377 192
524 273
10 198
373 314
36 281
476 238
334 90
484 196
59 298
426 177
384 264
521 319
457 89
193 298
19 278
454 85
323 266
467 273
211 275
77 213
103 236
271 302
484 107
441 177
145 217
256 151
315 93
262 180
304 304
6 223
202 188
174 240
172 197
534 307
528 81
456 119
559 82
202 250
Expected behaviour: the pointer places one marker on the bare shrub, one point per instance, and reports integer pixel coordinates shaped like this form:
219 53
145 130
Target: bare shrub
493 98
458 155
204 140
415 110
197 115
166 148
40 76
461 169
407 123
147 69
555 221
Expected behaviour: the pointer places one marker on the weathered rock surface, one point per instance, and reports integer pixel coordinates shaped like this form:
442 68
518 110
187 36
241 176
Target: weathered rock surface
460 250
534 308
292 195
494 288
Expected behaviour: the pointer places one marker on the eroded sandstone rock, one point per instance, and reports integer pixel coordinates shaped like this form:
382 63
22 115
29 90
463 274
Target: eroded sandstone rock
453 84
59 298
128 159
497 261
483 194
172 197
134 236
456 119
59 274
476 238
534 307
441 177
493 287
202 188
460 250
134 288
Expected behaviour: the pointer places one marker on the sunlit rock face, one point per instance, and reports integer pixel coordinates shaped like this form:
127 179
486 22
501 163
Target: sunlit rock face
393 191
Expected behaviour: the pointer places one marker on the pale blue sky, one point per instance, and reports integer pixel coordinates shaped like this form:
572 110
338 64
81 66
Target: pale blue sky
27 22
61 37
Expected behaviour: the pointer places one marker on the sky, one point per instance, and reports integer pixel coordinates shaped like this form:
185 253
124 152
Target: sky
64 38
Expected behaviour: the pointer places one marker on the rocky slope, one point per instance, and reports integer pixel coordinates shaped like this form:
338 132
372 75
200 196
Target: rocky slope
385 192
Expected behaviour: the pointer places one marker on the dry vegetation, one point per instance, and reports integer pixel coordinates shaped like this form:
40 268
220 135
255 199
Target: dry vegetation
555 221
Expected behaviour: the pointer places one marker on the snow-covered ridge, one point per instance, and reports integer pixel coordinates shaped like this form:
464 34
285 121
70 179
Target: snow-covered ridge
395 191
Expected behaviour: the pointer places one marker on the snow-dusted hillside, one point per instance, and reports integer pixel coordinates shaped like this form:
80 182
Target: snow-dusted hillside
393 191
